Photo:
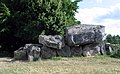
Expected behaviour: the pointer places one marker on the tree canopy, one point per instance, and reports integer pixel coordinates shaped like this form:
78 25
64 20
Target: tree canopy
22 21
115 39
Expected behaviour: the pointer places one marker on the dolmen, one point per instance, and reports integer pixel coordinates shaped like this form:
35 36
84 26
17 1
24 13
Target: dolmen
79 40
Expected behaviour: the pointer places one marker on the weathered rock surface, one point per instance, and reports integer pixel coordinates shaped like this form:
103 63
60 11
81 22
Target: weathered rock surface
20 54
47 52
102 48
84 34
33 52
91 50
86 40
30 52
108 49
64 52
115 47
56 41
76 51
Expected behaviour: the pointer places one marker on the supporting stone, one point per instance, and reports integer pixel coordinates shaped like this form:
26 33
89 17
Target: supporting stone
76 51
47 52
102 48
91 50
108 48
64 52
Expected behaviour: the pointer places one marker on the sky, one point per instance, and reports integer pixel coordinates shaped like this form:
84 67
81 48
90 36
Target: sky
100 12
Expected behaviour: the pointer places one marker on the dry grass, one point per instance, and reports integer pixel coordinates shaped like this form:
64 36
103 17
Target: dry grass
75 65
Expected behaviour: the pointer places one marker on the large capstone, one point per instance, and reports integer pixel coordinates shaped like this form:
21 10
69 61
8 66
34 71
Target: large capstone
84 34
56 41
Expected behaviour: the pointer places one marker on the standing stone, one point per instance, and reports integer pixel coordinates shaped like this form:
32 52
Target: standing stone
102 48
47 52
91 50
84 34
56 41
64 52
76 51
108 48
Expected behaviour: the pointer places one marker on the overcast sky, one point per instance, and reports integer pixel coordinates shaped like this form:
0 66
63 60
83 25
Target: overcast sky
101 12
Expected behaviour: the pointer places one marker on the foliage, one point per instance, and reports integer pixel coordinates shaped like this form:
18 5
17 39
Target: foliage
21 21
113 39
116 54
115 51
4 12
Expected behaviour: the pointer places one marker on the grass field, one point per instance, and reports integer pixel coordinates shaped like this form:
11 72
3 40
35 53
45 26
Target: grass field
74 65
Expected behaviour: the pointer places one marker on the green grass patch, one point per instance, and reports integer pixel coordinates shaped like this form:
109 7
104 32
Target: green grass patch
63 65
116 44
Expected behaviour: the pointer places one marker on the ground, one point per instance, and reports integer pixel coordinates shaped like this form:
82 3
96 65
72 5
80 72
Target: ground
59 65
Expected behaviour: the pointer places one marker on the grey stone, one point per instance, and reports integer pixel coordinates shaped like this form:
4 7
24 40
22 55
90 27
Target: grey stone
64 52
115 47
91 50
30 52
33 53
84 34
56 41
28 46
20 54
76 51
47 52
108 48
102 48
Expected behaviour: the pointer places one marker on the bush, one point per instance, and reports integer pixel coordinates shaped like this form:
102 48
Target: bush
116 52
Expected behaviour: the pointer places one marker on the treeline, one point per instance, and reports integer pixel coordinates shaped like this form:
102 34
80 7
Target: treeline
115 39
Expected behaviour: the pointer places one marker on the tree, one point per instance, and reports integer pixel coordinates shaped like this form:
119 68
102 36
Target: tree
24 20
109 38
115 39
